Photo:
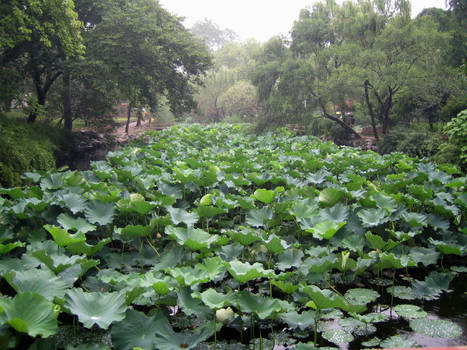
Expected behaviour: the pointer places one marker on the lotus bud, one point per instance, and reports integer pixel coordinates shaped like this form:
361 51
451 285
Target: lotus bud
224 315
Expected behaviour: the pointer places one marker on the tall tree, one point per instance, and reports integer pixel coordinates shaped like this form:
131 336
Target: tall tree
38 36
148 53
212 35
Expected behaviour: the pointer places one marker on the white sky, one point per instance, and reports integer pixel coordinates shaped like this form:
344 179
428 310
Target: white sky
258 19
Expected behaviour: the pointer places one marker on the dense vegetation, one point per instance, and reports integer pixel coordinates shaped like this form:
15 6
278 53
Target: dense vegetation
277 239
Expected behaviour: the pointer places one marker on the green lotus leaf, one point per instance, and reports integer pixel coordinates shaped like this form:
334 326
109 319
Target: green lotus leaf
179 215
79 224
244 272
259 217
415 219
137 330
189 276
245 237
29 313
56 262
88 346
398 262
93 308
290 258
192 306
384 202
318 265
337 336
373 217
436 328
75 202
161 287
398 342
265 196
215 300
275 244
286 287
448 248
167 339
295 320
338 213
193 238
131 232
63 237
304 209
330 196
261 306
98 212
206 200
327 299
361 295
212 266
410 311
423 255
326 229
139 204
402 292
42 282
6 248
371 343
88 249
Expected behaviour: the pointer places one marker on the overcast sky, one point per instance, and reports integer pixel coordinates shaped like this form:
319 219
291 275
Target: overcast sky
259 19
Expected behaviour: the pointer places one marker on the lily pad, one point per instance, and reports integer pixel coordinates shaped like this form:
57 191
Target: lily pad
361 295
398 341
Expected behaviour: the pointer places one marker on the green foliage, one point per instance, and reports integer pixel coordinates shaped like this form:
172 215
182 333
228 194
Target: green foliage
455 150
225 229
23 149
413 142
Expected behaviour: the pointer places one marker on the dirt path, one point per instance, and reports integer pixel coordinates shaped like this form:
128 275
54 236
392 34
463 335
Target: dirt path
121 137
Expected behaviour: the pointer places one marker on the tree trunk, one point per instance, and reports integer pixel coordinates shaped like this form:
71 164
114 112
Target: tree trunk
340 122
67 114
41 95
139 115
370 110
127 127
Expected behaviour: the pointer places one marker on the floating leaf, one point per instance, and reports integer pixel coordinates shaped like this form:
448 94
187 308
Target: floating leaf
296 320
436 328
361 295
338 336
397 341
410 311
402 292
259 217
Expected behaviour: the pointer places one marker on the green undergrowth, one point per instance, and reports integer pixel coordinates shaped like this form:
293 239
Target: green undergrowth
213 238
27 147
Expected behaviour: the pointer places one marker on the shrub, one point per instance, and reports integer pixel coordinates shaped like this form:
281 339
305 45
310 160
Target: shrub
455 150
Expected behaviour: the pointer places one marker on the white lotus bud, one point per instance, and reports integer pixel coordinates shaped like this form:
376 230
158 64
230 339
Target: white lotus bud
223 315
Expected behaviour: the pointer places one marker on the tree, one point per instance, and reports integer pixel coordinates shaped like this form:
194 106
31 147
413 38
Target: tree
240 100
212 35
148 53
38 36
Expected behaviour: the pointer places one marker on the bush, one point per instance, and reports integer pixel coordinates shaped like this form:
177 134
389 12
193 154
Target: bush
25 147
455 149
415 143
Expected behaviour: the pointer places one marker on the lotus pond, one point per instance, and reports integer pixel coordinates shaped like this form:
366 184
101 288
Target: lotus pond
214 238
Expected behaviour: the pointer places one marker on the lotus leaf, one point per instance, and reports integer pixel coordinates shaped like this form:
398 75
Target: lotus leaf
436 328
261 306
244 272
79 224
410 311
179 215
92 308
326 229
63 237
42 282
361 295
337 336
98 212
296 320
38 320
